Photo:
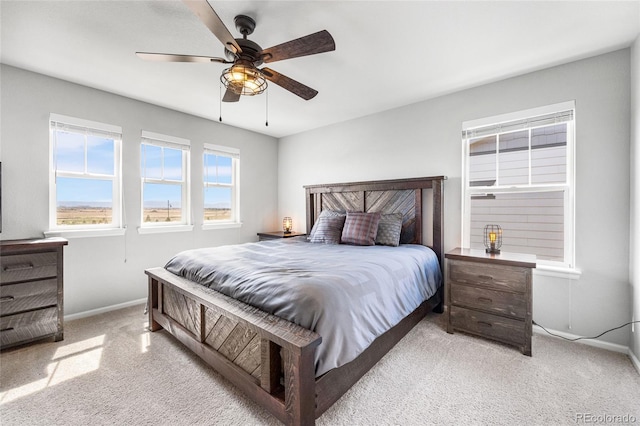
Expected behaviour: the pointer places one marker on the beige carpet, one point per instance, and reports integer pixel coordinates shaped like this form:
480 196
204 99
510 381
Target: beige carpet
110 370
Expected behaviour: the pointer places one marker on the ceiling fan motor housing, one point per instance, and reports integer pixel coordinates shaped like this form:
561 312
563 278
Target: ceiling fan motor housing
250 52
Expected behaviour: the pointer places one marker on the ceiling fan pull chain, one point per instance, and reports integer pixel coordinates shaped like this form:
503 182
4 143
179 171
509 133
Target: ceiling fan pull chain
266 123
220 93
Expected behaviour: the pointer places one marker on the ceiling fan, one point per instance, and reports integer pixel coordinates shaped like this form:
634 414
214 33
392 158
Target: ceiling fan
244 77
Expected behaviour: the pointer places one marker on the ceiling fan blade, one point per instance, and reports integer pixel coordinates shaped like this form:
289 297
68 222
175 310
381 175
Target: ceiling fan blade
168 57
203 10
289 84
230 96
308 45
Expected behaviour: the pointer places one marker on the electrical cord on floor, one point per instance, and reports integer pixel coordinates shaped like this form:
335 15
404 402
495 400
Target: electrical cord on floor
581 338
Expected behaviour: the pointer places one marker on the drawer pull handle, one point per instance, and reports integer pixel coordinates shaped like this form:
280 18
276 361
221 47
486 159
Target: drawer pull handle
6 329
18 267
7 298
486 277
486 324
485 299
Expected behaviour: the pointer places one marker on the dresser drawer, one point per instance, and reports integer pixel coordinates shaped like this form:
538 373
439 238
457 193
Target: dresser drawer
28 295
487 325
500 302
32 266
498 277
28 325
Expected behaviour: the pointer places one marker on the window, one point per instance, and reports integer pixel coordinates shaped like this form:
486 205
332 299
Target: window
518 173
85 179
221 197
164 167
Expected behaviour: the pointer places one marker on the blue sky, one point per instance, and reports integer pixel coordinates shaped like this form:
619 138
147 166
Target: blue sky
71 156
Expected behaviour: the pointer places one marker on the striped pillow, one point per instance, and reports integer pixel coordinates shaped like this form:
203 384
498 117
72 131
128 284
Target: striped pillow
360 229
328 229
389 229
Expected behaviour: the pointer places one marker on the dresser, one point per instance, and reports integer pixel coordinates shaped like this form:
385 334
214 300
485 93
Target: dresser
490 295
31 290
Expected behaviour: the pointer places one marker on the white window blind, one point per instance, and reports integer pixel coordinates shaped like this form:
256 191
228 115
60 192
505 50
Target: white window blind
221 150
521 124
165 141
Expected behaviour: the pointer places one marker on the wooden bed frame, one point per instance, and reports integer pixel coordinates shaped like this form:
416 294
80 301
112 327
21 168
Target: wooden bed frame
272 359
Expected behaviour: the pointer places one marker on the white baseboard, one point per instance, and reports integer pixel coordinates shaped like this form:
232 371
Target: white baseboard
98 311
589 342
634 361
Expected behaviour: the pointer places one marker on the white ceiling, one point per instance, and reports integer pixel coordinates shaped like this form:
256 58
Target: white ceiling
388 53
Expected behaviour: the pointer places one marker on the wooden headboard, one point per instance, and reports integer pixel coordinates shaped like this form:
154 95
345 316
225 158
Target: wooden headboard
384 196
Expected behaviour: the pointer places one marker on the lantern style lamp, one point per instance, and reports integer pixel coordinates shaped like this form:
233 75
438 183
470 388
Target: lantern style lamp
287 224
493 238
243 78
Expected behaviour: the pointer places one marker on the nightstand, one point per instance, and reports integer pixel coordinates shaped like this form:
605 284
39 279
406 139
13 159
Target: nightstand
264 236
489 295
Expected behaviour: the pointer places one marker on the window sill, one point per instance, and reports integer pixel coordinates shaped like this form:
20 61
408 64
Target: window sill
557 271
85 233
226 225
164 229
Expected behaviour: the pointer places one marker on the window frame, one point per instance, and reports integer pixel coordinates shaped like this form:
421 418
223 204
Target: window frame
87 128
172 142
234 154
568 187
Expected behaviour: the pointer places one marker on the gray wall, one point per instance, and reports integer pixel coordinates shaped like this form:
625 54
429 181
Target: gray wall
105 271
634 261
424 139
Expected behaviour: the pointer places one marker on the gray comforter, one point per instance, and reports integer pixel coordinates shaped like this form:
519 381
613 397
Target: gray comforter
349 295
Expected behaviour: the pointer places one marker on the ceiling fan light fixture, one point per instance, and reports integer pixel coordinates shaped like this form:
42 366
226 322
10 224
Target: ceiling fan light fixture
244 80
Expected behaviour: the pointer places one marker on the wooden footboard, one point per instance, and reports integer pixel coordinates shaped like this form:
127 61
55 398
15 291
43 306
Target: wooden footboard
268 358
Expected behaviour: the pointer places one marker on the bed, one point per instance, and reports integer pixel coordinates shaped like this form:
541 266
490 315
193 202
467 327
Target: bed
276 362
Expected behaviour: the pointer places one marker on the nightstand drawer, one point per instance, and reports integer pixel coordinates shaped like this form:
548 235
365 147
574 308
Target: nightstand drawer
25 267
28 325
511 304
498 277
487 325
28 295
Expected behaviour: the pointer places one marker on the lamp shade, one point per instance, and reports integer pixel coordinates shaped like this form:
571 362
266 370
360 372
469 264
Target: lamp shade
287 224
492 238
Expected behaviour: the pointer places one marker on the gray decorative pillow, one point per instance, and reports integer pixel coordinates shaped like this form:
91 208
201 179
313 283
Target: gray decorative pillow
328 229
324 213
389 229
